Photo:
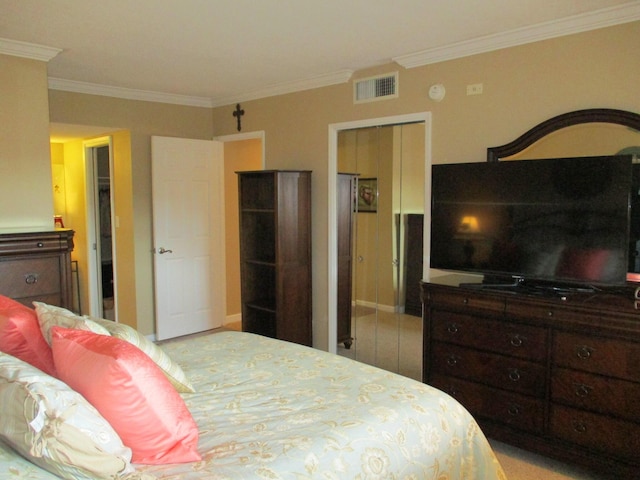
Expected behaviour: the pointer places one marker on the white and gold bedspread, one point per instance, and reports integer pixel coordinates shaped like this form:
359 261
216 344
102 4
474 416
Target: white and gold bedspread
273 410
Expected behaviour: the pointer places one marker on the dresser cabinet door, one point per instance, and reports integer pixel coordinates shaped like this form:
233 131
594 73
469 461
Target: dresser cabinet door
596 393
507 338
31 279
605 356
496 370
605 434
512 409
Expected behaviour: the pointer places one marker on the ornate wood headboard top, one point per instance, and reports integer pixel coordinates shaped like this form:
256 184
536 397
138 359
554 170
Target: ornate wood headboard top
593 115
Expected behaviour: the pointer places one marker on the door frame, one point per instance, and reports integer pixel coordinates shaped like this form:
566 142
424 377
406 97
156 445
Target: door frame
332 215
93 241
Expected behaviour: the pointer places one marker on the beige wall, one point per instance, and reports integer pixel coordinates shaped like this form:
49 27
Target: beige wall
522 86
26 200
238 156
140 120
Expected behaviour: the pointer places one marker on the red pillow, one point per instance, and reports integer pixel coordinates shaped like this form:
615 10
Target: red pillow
20 335
130 392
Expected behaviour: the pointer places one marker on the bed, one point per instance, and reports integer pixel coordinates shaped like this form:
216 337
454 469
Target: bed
268 409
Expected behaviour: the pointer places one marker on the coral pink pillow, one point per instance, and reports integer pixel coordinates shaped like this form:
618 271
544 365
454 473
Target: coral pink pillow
21 337
130 392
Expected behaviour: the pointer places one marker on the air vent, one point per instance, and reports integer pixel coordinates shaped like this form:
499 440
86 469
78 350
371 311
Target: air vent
381 87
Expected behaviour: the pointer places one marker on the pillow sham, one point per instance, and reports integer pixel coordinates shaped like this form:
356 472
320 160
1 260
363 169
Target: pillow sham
171 369
55 427
50 316
130 392
21 337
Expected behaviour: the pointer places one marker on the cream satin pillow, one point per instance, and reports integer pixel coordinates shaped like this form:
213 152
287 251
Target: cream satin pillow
171 369
50 316
55 427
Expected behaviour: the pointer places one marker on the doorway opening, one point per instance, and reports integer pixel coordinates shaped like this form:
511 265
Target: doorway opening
101 224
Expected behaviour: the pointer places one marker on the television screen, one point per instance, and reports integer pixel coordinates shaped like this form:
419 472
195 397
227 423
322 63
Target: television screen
563 219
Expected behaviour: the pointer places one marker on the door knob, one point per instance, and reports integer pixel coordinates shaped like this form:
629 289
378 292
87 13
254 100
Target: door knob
162 250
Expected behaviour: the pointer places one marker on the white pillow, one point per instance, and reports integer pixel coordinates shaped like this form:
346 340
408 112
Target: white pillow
55 427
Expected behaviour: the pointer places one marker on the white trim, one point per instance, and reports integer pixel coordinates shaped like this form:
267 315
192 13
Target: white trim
149 96
332 215
27 50
93 243
628 12
126 93
319 81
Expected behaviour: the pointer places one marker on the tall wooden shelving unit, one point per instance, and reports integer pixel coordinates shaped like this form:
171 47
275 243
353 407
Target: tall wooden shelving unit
275 253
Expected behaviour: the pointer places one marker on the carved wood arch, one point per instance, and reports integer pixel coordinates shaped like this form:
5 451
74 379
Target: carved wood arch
592 115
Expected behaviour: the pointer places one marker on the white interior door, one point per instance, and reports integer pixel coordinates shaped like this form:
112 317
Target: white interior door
188 232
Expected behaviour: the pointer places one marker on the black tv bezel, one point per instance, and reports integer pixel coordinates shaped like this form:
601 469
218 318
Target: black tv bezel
508 280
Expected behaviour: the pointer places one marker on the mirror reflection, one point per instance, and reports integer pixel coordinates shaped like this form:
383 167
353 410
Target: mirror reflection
382 169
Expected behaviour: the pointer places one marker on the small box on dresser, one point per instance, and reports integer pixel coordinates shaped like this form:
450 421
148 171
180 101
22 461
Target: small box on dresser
559 375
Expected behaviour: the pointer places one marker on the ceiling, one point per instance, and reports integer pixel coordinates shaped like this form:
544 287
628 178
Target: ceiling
219 52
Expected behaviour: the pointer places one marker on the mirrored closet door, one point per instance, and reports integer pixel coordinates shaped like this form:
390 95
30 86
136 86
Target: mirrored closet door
387 164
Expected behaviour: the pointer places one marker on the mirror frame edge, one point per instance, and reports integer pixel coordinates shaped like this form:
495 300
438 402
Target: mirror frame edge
591 115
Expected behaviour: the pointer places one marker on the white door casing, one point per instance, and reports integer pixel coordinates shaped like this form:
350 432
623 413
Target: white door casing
188 233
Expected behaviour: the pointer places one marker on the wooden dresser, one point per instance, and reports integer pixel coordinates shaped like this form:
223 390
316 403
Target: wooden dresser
551 374
37 266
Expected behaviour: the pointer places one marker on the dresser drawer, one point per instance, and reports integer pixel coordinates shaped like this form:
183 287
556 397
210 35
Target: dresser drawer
605 356
494 335
21 245
547 312
466 301
517 411
30 277
598 432
596 393
498 371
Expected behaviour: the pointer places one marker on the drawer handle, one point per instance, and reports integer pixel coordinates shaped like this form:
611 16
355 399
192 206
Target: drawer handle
584 352
579 427
39 244
452 360
31 278
514 410
514 374
452 328
582 390
516 340
465 301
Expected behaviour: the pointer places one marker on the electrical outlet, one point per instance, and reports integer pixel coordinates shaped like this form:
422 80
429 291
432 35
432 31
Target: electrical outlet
475 89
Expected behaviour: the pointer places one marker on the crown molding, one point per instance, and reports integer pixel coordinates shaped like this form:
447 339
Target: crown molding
126 93
342 76
27 50
149 96
628 12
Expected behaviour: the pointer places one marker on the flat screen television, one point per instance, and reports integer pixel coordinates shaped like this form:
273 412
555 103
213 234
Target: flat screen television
561 221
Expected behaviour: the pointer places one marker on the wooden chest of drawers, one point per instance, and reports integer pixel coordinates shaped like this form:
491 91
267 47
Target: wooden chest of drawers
560 375
36 266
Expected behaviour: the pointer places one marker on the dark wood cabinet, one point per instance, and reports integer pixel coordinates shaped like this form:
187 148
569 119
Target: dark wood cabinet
345 204
275 253
36 266
559 375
